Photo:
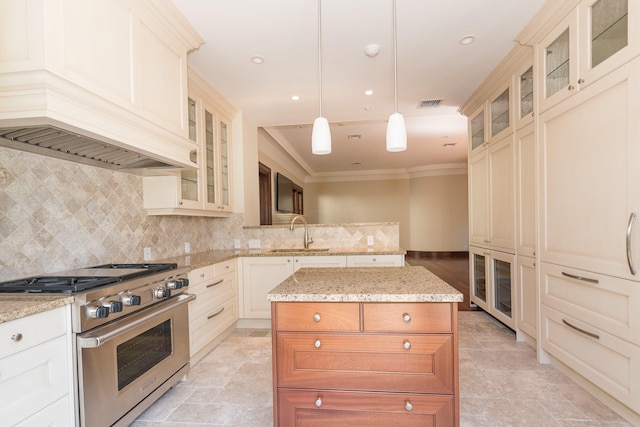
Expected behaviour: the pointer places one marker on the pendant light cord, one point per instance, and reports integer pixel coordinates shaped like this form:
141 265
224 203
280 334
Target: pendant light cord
320 50
395 58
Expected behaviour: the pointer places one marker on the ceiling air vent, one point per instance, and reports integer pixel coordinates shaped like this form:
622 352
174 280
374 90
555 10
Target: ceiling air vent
429 103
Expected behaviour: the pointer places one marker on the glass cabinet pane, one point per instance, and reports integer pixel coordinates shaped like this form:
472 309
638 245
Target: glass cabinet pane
479 277
209 146
502 286
189 178
224 163
500 113
609 21
557 64
477 130
526 93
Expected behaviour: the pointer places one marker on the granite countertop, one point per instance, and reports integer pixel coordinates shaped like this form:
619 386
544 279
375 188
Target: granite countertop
203 259
15 306
372 284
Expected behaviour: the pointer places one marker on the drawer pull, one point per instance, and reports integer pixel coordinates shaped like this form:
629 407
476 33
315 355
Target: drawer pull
215 314
316 317
583 279
406 317
319 402
587 333
201 274
407 345
632 268
408 406
317 344
211 285
16 337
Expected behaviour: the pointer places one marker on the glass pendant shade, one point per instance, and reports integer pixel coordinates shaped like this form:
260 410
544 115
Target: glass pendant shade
396 133
321 136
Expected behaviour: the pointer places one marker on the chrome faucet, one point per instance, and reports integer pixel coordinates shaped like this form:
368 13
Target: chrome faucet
307 239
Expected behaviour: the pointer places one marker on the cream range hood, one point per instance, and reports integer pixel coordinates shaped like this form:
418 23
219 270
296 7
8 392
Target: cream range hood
112 95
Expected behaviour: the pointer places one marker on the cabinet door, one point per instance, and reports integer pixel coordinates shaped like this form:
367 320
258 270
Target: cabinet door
375 260
190 196
210 153
526 229
224 178
479 198
477 134
502 194
590 152
527 295
478 277
259 276
500 121
321 261
524 87
502 274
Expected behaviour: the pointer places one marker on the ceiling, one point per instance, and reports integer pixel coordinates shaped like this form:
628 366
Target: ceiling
431 64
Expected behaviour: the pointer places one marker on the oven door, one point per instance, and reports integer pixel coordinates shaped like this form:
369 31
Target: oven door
124 366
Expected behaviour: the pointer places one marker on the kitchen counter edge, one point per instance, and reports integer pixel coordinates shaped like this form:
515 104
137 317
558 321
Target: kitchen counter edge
16 306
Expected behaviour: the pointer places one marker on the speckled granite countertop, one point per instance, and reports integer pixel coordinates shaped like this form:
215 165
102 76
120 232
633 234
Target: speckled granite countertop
15 306
373 284
202 259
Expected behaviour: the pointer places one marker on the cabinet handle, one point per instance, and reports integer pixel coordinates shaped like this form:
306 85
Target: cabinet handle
571 87
406 317
201 274
215 314
584 279
408 406
317 344
632 218
16 337
316 317
406 345
319 402
587 333
580 81
215 283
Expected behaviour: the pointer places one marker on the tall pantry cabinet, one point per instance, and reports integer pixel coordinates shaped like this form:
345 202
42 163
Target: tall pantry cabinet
577 192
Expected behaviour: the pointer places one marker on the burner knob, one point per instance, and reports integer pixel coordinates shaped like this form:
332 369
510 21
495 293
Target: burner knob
162 293
185 282
113 306
97 311
174 284
131 300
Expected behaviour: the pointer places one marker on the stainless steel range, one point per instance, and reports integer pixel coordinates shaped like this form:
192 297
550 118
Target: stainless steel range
130 324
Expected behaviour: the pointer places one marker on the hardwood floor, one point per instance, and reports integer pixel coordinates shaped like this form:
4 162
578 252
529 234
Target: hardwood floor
452 267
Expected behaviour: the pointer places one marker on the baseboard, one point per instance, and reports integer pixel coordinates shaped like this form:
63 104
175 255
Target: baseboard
437 255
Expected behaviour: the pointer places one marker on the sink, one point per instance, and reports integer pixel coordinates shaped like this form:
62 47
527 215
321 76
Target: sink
300 250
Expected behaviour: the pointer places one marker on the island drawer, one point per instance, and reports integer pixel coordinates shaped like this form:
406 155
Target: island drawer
393 363
407 317
310 408
327 316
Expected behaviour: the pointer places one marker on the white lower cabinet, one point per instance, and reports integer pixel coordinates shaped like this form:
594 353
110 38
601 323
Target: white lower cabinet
36 379
214 312
384 260
527 298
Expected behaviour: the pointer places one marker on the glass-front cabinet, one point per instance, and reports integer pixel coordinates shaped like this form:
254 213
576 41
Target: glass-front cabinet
596 38
500 114
217 171
477 131
492 283
524 95
189 179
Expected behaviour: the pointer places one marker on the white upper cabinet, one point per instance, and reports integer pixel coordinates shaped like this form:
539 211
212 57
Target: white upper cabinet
592 40
477 131
500 120
524 95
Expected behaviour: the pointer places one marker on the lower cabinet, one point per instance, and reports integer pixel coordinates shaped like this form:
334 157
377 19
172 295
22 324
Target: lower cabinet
370 363
527 297
384 260
36 379
214 312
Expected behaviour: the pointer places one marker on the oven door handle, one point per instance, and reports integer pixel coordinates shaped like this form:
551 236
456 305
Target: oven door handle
91 341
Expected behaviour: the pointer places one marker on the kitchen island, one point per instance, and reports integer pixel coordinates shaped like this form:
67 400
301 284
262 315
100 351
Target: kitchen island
365 346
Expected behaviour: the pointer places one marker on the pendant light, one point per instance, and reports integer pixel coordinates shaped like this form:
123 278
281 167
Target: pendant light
320 135
396 129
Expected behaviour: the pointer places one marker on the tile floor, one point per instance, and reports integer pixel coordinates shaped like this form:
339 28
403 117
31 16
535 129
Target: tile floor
501 384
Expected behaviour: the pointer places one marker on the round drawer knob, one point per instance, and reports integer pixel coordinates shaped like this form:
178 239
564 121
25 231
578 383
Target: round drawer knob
406 317
317 344
319 402
316 317
407 345
16 337
408 406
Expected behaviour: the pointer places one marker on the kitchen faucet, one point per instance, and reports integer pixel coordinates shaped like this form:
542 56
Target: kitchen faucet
307 239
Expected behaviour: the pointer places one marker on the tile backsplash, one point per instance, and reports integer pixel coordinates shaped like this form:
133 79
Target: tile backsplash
58 215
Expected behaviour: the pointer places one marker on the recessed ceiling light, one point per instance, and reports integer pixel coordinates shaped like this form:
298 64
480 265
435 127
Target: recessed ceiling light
467 39
257 59
368 92
295 98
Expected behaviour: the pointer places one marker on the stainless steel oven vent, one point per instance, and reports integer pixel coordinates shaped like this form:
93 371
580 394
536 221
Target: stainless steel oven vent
56 142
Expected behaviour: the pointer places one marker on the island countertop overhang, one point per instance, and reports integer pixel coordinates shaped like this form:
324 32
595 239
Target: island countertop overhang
372 284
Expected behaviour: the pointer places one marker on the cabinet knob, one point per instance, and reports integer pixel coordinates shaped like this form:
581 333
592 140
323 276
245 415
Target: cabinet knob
316 317
407 345
201 274
374 260
571 87
319 402
317 344
408 406
406 317
16 337
580 81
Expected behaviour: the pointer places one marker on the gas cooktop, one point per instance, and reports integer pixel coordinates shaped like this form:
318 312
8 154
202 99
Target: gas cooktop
83 279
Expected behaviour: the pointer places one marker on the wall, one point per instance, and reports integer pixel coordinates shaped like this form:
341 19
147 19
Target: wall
57 215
